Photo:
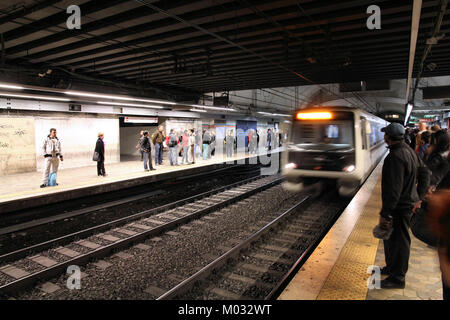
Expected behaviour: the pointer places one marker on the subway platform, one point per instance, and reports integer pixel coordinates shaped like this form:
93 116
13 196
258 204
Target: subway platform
21 191
338 267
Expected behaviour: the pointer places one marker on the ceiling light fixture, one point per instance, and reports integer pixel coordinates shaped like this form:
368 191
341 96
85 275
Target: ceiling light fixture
10 86
112 97
129 104
274 114
212 108
32 97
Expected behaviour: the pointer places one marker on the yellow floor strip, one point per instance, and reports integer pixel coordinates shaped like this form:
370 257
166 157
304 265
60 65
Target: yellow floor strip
348 278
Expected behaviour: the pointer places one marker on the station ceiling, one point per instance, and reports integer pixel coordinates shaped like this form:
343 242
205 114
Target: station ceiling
218 45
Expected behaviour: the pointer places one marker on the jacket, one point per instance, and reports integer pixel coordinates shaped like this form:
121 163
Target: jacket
145 145
100 148
158 137
51 147
404 180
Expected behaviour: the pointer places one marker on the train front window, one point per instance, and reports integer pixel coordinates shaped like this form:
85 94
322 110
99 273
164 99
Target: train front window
326 135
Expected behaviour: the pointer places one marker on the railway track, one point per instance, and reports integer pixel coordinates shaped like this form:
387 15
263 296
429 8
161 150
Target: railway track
28 230
260 266
99 241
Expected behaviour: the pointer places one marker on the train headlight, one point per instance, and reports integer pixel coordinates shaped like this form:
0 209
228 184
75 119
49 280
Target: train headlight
290 166
349 168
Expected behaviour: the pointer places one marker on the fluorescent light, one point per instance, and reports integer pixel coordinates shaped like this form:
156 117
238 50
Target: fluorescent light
129 104
212 108
9 86
274 114
112 97
32 97
197 110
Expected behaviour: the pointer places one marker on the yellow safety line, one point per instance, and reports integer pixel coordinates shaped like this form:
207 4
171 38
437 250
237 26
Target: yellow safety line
348 277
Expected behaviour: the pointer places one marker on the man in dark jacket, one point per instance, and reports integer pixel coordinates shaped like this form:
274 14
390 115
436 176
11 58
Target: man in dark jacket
402 170
100 149
146 147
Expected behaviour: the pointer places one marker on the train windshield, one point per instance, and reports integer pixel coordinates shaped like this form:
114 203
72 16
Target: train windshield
323 135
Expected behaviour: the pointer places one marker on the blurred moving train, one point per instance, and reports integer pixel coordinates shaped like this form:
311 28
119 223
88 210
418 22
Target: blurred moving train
332 144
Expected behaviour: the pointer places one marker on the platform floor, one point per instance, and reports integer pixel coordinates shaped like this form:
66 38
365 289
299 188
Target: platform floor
338 268
26 185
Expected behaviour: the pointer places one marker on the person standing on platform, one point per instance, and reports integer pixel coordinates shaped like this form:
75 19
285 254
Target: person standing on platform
206 143
52 154
138 146
100 149
146 148
158 139
192 146
198 144
185 145
212 146
173 148
403 185
229 141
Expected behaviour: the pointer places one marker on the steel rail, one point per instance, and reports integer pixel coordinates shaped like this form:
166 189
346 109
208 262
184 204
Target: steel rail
208 269
103 250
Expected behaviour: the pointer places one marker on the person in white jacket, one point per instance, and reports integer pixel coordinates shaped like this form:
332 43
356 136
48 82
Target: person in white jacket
52 154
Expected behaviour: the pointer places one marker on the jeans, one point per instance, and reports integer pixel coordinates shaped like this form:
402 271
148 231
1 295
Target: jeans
173 155
158 153
397 247
197 150
101 168
229 150
185 154
147 159
205 151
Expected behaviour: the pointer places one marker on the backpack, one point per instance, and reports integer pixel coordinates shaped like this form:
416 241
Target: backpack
52 180
172 141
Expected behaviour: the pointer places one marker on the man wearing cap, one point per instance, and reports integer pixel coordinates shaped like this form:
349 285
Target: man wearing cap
402 169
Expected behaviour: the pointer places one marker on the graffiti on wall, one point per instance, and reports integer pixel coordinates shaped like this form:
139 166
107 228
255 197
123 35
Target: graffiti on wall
17 145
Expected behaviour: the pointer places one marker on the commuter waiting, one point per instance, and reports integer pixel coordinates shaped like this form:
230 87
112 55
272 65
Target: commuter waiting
99 153
52 153
400 197
146 148
185 145
206 143
158 139
172 143
192 145
138 146
229 142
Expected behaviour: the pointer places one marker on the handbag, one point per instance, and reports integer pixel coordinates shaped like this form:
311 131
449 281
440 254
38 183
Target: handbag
96 156
420 228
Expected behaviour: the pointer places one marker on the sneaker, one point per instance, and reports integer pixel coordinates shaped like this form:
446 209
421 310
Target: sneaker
391 283
43 185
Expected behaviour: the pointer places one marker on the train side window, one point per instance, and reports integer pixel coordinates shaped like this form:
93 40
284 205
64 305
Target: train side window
363 133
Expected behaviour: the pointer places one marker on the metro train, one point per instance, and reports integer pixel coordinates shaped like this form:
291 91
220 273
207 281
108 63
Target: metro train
340 145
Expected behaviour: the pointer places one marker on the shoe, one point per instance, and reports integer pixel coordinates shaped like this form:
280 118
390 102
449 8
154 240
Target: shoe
152 169
146 169
104 174
43 185
383 271
391 283
56 184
